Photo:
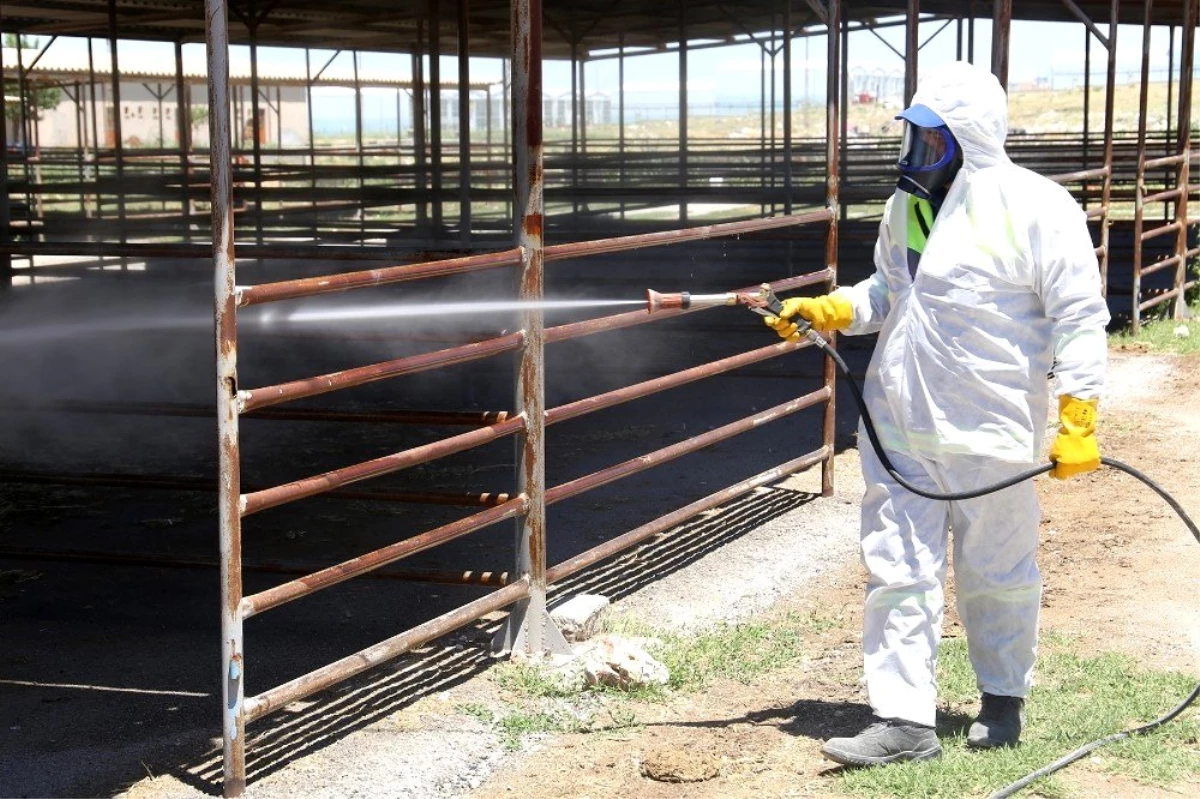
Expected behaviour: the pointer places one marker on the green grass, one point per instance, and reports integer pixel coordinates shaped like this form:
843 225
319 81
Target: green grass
1159 335
1077 700
541 703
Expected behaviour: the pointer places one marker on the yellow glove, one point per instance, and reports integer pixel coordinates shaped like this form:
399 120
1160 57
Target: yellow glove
1075 450
827 313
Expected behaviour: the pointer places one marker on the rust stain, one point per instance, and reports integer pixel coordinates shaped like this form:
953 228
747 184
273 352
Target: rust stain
533 225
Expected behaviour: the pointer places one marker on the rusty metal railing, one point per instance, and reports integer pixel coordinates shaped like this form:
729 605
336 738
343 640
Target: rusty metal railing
524 589
1176 167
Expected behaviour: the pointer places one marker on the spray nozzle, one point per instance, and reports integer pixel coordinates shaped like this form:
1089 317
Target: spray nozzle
762 302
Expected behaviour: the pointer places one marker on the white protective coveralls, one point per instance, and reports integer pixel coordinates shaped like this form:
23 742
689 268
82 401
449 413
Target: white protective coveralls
1007 290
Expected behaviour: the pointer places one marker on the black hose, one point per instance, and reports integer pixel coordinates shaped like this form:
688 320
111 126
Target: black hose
869 425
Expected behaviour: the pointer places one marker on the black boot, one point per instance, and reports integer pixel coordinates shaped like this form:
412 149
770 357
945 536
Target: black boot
886 741
999 722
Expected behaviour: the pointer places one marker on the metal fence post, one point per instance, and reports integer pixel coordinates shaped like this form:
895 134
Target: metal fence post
233 724
529 628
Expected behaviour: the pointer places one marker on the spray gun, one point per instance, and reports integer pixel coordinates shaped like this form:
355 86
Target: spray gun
762 302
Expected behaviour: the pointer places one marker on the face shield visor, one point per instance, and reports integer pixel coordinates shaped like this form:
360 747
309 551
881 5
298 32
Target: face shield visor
929 155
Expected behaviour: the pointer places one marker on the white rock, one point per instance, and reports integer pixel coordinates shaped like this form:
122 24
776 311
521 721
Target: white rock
579 616
1182 331
623 663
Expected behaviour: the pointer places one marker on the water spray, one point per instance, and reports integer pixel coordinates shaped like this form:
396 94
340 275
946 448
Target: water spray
763 301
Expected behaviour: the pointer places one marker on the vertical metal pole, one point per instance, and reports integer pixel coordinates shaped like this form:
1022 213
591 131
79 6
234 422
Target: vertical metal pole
1001 25
787 127
574 132
81 144
528 186
26 143
912 47
583 110
621 116
844 138
1087 107
183 120
762 124
771 171
312 144
228 454
421 176
489 121
464 121
529 628
1109 108
358 151
435 108
683 113
833 115
1139 206
255 130
787 117
958 41
1171 85
95 126
119 152
971 32
6 270
1187 55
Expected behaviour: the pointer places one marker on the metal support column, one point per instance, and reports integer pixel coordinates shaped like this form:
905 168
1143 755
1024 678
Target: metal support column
621 116
529 628
574 131
435 109
912 49
228 446
421 176
787 115
183 120
6 270
833 72
1001 27
464 121
1187 56
683 114
312 143
358 152
95 127
118 153
1109 109
1139 205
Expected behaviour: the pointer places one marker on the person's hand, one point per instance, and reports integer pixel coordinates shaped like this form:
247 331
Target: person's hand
1075 450
827 313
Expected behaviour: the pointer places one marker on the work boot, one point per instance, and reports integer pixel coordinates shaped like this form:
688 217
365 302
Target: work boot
998 724
886 741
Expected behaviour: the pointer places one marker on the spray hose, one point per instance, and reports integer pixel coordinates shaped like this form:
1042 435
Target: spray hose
805 329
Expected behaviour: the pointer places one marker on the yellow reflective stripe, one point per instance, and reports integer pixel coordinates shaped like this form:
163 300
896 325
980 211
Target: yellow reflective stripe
980 240
916 233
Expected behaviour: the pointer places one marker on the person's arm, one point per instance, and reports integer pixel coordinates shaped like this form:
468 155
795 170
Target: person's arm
856 309
1070 292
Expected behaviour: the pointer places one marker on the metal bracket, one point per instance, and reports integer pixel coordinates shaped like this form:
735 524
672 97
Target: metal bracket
529 630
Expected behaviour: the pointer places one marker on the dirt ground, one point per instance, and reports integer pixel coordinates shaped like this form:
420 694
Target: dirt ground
1120 573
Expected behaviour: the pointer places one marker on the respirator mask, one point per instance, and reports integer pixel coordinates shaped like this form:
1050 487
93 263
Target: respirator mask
929 154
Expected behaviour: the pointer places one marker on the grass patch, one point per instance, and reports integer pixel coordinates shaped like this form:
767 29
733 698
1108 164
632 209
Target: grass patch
516 723
728 651
1076 700
1159 335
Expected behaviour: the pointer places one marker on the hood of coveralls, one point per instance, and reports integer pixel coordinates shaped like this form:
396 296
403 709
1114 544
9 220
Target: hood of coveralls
973 105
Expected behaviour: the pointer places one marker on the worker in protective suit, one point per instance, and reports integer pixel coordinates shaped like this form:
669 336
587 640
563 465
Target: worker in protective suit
986 282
